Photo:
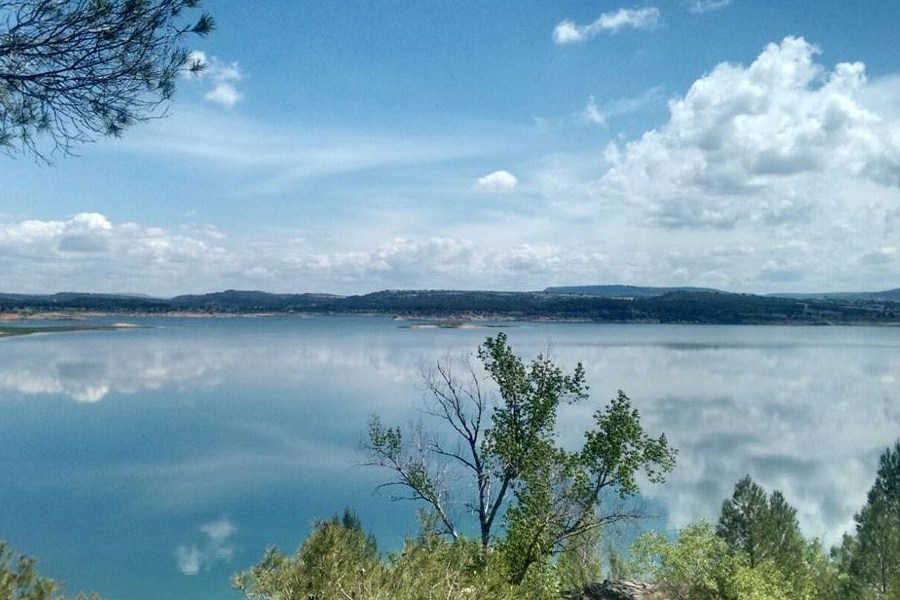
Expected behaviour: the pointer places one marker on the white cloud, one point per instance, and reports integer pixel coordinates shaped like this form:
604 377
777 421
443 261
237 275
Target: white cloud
568 32
86 232
776 175
753 143
215 547
497 182
224 78
87 251
224 93
593 115
704 6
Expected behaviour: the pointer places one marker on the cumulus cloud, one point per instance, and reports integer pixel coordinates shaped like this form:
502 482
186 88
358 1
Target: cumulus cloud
86 232
215 547
749 143
497 182
223 78
224 91
704 6
569 32
87 251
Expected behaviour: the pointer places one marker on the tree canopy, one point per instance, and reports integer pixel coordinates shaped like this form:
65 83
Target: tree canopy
875 560
74 70
505 461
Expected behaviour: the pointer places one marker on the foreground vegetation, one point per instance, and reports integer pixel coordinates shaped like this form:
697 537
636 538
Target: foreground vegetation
755 551
503 460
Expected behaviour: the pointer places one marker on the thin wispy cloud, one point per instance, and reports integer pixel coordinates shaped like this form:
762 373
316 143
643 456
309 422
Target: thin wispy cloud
592 115
569 32
276 160
704 6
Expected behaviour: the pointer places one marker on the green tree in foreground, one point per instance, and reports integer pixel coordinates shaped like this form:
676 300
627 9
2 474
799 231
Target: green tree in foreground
505 460
73 70
875 561
20 581
763 529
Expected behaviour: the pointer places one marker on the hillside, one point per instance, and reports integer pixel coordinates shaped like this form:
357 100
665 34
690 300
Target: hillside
624 291
686 307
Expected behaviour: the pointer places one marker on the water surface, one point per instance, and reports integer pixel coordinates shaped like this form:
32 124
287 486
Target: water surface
155 462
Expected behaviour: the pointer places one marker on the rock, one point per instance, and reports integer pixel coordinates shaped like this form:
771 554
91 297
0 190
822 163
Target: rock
618 590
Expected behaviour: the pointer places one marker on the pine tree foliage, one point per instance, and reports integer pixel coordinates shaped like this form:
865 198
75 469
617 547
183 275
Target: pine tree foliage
876 556
19 579
74 70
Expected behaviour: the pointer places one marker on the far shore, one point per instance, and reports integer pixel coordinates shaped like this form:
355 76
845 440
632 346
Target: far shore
423 320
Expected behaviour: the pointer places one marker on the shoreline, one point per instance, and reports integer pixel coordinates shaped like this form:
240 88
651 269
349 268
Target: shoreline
423 320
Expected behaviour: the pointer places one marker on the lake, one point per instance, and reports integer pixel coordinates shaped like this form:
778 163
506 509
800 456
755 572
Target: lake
155 462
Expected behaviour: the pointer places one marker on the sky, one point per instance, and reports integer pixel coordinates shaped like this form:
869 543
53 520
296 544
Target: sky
348 147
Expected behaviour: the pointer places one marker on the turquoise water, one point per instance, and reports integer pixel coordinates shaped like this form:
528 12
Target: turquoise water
155 462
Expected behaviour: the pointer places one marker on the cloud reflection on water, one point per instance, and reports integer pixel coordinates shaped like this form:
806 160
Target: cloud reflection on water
803 410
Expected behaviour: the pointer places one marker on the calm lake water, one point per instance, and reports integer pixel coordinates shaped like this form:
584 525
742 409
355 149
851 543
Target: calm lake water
153 463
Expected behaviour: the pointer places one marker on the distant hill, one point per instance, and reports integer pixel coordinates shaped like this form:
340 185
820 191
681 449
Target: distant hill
83 301
623 304
887 295
243 301
625 291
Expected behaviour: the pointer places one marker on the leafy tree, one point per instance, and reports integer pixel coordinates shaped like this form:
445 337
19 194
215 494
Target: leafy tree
72 70
844 580
876 554
506 450
19 580
762 528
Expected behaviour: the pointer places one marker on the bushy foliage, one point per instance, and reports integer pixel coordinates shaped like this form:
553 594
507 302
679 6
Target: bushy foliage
699 566
338 561
336 558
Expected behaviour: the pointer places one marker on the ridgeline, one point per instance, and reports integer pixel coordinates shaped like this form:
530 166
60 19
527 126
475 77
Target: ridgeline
601 304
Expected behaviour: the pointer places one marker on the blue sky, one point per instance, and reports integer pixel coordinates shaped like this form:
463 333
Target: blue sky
352 146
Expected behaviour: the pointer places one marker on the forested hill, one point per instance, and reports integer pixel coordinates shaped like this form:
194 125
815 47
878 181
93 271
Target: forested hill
700 307
624 291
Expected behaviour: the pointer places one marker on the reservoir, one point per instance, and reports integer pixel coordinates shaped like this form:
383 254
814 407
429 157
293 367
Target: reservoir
155 462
